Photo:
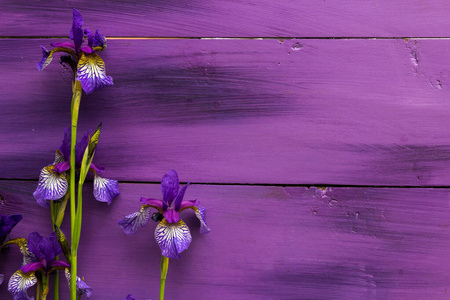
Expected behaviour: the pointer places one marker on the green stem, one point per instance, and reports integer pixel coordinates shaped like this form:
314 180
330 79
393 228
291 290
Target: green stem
38 290
164 268
76 98
54 209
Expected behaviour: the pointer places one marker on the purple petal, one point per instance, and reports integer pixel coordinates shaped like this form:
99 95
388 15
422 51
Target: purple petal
180 196
33 242
129 297
200 213
99 41
65 146
7 223
59 263
19 283
96 168
188 203
80 147
76 33
91 73
1 278
131 223
82 287
170 186
172 238
69 45
105 189
47 57
155 203
32 267
49 247
51 186
62 167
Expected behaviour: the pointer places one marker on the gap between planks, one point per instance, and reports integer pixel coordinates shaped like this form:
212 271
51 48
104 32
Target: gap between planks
237 38
318 185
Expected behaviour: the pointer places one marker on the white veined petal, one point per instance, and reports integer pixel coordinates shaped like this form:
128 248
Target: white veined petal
131 223
51 186
91 73
172 238
20 282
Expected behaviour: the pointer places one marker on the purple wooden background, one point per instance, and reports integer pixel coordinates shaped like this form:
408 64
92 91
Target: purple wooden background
252 123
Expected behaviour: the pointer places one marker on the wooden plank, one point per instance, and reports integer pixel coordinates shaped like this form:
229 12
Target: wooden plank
351 112
265 242
218 18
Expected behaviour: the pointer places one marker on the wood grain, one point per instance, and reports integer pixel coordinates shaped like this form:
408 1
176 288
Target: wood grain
238 18
350 112
265 242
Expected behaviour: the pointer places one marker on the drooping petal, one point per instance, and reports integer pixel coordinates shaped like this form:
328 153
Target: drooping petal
105 189
2 277
32 267
129 297
131 223
28 256
91 73
47 57
155 203
96 169
82 287
170 186
188 203
76 33
172 238
51 186
180 196
200 213
19 283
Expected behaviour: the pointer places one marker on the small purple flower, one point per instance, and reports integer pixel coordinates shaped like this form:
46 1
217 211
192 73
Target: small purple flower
39 256
7 223
82 287
171 234
53 183
87 65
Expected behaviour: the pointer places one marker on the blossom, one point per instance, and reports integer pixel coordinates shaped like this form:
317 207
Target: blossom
39 257
171 234
53 183
87 65
7 223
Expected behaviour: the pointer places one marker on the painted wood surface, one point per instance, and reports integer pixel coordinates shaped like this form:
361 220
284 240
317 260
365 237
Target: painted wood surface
232 18
265 243
346 112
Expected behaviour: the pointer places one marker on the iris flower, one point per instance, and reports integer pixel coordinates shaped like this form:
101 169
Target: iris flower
53 183
7 223
87 65
171 234
39 262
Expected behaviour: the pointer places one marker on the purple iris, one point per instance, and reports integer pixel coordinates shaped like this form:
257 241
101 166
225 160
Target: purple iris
171 234
53 183
39 257
87 65
7 223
